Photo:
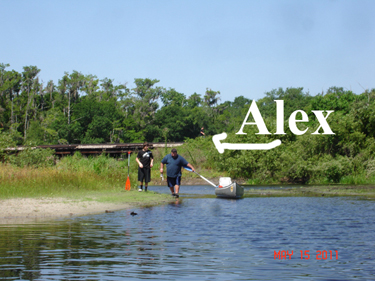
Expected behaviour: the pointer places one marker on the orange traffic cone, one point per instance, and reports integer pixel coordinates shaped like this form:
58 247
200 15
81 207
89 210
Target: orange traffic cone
127 184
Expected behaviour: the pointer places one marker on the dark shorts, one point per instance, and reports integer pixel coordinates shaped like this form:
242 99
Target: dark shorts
173 181
144 174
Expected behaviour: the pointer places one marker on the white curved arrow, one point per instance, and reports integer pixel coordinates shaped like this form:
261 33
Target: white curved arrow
241 146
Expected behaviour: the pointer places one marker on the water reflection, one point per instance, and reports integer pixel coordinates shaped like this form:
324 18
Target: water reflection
200 239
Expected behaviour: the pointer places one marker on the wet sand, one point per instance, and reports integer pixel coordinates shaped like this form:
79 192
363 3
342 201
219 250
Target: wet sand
34 210
31 210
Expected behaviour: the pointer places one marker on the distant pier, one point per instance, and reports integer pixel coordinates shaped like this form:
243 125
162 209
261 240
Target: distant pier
114 150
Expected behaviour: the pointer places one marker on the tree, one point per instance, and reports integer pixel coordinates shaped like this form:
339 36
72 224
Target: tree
10 86
92 121
30 85
172 97
144 97
194 100
110 91
294 99
335 99
178 122
71 85
211 97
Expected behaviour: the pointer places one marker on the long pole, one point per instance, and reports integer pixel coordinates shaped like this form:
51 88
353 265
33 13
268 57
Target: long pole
190 170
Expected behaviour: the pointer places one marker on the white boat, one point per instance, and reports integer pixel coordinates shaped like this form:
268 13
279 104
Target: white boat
229 189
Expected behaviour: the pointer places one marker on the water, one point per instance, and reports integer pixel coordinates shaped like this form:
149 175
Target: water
200 237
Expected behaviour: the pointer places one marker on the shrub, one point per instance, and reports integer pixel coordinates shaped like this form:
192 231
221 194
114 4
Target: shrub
36 158
6 140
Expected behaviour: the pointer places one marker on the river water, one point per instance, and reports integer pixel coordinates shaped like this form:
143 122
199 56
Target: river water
200 237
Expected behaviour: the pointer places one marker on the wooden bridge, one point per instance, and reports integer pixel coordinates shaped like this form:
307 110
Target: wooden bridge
115 150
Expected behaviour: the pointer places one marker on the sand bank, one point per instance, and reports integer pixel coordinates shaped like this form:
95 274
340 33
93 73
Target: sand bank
31 210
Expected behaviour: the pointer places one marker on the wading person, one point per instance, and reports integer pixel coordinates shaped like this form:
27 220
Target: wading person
174 163
145 161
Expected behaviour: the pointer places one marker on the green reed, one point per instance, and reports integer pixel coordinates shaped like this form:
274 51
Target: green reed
77 173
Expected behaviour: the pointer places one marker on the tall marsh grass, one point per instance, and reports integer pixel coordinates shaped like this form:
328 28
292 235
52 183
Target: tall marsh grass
31 182
35 173
70 174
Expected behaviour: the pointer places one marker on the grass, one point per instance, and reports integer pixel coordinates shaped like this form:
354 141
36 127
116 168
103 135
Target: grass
367 191
120 197
29 182
103 178
72 184
77 175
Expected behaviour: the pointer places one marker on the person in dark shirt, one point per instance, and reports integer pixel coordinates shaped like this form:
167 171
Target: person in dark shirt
201 133
145 161
174 163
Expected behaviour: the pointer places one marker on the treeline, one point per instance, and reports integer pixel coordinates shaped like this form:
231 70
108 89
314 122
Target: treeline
348 156
84 109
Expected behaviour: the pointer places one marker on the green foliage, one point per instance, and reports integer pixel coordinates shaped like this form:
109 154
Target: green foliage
172 97
335 99
176 118
335 169
34 157
294 99
6 141
84 109
100 165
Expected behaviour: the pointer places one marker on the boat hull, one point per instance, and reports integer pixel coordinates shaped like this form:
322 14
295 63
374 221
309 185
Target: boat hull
233 190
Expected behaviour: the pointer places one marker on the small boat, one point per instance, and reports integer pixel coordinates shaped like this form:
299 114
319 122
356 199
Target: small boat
231 190
226 188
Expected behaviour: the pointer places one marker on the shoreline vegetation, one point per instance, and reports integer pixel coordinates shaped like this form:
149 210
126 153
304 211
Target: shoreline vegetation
363 191
38 189
39 173
83 109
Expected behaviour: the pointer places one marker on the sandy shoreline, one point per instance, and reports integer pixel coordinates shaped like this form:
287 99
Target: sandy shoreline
34 210
31 210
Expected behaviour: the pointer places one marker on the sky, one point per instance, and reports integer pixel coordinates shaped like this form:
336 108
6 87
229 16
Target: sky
240 48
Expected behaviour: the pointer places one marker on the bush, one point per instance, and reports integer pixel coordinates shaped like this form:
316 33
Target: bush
6 140
36 158
333 169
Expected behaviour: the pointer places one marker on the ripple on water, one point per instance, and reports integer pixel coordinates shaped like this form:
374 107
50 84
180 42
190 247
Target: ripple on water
200 239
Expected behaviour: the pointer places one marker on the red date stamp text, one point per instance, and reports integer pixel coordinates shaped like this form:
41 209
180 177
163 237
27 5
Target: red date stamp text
306 255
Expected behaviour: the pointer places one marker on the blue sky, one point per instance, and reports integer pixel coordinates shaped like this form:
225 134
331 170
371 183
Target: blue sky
236 47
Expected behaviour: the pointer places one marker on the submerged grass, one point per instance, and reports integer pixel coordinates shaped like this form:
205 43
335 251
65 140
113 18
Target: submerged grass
367 191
